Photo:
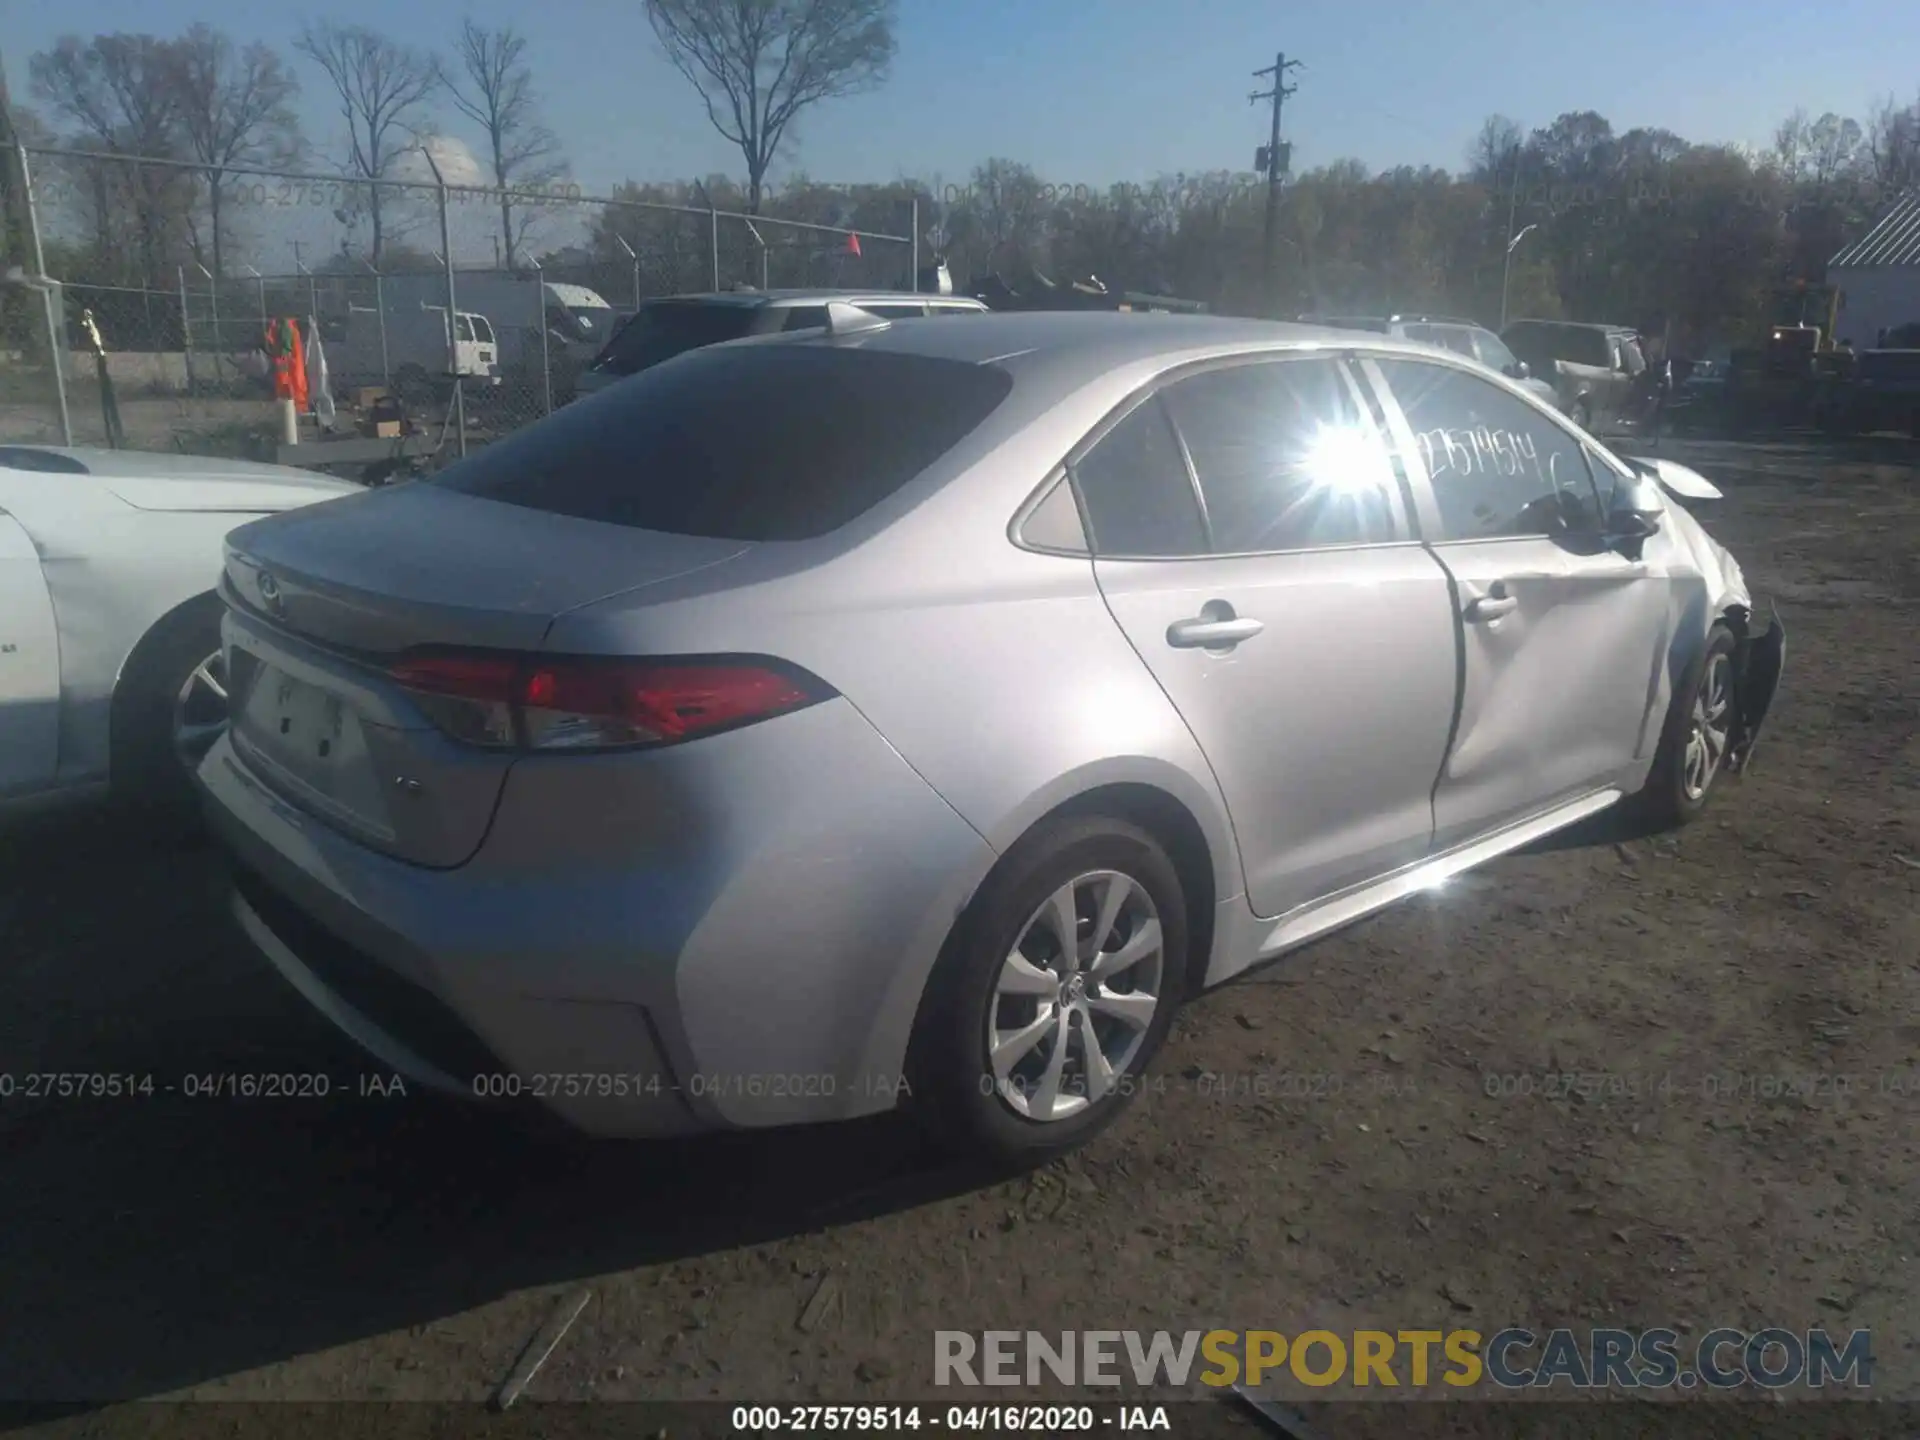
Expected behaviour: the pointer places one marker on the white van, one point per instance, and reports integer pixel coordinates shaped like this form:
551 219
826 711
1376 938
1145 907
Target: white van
410 351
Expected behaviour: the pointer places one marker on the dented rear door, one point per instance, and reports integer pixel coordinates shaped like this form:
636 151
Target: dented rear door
1562 643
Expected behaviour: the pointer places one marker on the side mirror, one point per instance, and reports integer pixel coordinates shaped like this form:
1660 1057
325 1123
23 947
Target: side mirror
1636 511
1632 524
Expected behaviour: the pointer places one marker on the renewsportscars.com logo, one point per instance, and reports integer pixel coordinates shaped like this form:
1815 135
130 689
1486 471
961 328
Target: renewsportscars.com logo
1512 1359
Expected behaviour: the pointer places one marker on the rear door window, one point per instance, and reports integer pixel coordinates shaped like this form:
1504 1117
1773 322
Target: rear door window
905 311
660 332
828 434
1284 458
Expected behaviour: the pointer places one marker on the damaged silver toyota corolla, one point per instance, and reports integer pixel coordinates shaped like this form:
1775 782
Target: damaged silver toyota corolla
942 701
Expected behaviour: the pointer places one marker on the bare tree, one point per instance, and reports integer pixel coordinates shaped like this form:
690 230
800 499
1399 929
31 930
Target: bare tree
758 63
235 110
1491 155
117 93
1893 145
493 87
383 88
1835 145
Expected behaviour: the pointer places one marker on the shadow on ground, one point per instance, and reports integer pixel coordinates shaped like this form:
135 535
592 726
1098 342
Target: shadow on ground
151 1243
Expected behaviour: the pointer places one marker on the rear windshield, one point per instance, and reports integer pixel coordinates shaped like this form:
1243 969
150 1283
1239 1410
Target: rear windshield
660 332
759 442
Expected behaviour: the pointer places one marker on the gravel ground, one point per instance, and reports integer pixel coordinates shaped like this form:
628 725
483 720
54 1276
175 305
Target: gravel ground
1331 1144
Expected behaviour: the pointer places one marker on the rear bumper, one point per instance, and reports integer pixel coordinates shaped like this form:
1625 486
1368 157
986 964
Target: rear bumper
731 933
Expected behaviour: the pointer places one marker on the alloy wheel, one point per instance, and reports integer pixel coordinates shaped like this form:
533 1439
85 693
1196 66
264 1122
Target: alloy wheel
1075 996
1711 722
200 711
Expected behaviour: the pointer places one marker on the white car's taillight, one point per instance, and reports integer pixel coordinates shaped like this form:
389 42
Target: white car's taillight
542 702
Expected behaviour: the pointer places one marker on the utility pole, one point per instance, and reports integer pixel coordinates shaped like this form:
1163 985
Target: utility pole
1273 157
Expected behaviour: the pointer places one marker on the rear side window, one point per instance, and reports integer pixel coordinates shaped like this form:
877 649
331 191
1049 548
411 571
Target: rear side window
660 332
759 442
1488 350
806 317
1454 338
896 312
1137 492
1532 344
1585 347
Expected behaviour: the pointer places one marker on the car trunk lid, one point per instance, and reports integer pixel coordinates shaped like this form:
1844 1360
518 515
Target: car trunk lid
422 565
319 613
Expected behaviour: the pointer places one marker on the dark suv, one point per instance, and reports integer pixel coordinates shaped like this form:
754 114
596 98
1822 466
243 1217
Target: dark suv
1463 337
1595 369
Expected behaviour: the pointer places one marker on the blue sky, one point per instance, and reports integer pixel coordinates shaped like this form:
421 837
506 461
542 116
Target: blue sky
1109 90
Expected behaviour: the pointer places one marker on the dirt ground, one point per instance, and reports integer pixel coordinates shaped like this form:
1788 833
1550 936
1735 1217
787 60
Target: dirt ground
1332 1145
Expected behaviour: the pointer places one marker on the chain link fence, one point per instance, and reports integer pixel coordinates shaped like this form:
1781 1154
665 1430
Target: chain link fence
476 308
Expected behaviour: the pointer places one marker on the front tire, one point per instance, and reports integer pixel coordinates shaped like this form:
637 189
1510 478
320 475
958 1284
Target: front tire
168 710
1028 1046
1693 744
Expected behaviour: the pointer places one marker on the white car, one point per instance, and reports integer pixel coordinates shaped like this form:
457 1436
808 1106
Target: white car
110 666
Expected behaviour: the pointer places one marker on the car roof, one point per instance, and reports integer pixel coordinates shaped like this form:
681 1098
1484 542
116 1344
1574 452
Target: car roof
1358 320
1084 344
756 298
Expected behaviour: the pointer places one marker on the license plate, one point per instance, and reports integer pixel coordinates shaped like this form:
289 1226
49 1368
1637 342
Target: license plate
310 734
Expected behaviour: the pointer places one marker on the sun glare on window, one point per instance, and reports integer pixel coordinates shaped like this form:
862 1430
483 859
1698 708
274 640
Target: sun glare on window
1346 460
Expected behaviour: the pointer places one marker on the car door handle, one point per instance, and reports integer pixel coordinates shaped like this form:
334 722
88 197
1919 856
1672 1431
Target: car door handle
1491 607
1205 632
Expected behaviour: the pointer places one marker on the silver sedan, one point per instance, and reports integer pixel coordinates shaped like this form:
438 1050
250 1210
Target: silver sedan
917 713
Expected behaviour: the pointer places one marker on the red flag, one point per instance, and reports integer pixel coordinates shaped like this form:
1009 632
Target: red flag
853 243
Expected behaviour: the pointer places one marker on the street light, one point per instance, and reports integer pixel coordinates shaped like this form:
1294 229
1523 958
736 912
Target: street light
380 311
636 268
546 362
213 309
1506 270
260 281
758 240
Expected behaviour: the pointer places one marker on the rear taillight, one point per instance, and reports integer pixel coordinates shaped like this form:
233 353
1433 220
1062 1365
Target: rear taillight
543 702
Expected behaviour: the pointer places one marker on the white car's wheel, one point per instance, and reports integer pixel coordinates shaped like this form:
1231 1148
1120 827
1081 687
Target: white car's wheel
168 710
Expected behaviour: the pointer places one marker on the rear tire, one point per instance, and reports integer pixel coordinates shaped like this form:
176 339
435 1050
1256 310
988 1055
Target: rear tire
168 710
1687 766
1032 1106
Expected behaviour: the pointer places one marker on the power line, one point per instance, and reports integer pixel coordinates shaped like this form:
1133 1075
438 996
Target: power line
1274 157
